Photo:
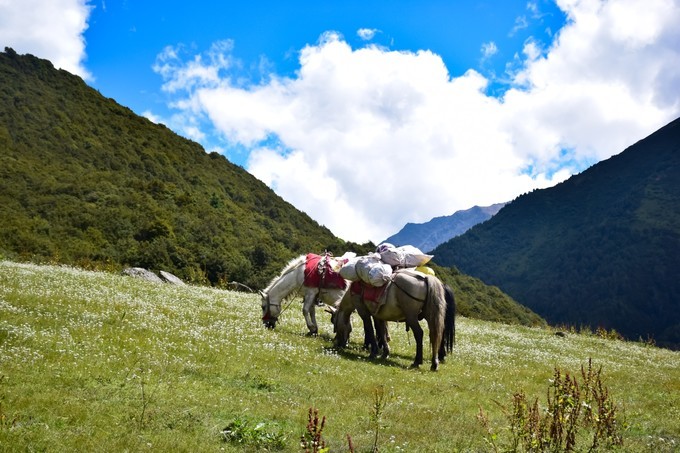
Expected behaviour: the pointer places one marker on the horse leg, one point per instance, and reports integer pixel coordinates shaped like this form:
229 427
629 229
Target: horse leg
442 352
370 337
370 342
414 325
437 355
387 333
369 333
309 312
381 329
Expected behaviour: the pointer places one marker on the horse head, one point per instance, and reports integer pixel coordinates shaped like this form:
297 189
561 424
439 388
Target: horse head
342 325
270 311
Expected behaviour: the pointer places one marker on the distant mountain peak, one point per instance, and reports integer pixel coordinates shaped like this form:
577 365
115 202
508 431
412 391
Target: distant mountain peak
426 236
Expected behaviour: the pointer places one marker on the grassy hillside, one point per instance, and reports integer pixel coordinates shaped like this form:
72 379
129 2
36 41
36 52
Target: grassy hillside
600 249
93 361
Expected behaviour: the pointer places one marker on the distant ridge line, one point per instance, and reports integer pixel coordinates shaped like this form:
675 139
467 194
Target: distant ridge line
428 235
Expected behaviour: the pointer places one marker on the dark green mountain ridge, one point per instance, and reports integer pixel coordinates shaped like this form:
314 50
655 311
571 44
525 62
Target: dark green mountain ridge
601 249
84 181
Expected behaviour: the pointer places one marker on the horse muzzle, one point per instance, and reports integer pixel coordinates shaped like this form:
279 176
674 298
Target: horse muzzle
269 321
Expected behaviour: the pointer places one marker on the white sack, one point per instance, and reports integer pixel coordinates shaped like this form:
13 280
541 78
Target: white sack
372 270
349 270
413 257
404 256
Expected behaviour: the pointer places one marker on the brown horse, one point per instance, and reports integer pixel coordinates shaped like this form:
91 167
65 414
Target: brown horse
408 297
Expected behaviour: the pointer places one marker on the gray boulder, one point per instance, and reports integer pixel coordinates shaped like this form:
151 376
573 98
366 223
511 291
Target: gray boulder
142 273
172 279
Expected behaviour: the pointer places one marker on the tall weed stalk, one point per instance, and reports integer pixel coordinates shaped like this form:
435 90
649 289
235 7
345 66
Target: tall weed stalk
312 440
576 413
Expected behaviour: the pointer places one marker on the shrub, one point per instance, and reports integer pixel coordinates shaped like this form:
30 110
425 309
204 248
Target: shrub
258 435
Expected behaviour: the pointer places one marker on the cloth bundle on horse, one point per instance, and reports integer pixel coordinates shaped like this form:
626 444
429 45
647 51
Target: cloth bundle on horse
376 268
313 276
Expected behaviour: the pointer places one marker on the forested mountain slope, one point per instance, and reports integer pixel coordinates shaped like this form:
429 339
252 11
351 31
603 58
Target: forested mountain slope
600 249
83 179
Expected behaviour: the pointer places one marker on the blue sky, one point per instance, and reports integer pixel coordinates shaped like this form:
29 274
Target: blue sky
368 115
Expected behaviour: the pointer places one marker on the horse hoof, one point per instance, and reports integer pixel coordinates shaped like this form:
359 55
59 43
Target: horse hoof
414 366
312 334
434 368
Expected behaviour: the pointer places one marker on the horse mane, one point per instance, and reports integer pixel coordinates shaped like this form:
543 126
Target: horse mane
292 264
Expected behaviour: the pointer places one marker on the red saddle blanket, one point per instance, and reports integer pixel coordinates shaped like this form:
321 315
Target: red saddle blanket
319 273
373 296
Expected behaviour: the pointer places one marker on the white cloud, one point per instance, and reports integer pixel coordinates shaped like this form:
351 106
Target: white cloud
201 71
366 33
521 23
604 83
365 140
29 26
532 7
489 49
149 115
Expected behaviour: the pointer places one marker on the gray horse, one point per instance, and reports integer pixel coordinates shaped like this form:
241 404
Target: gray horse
409 297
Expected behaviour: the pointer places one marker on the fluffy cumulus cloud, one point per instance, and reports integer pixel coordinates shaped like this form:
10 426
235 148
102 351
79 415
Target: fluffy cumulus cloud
367 139
50 29
611 77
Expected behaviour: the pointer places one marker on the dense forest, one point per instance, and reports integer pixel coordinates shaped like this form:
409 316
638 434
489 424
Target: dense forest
601 249
85 181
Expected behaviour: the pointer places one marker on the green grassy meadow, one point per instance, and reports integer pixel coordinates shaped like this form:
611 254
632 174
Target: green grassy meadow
93 361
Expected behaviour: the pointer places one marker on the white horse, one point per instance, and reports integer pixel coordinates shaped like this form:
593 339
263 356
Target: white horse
309 275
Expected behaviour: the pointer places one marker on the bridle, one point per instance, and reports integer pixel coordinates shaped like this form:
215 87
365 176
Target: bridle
270 304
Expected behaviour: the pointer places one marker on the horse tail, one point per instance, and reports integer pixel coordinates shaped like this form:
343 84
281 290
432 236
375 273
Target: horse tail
449 319
435 311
